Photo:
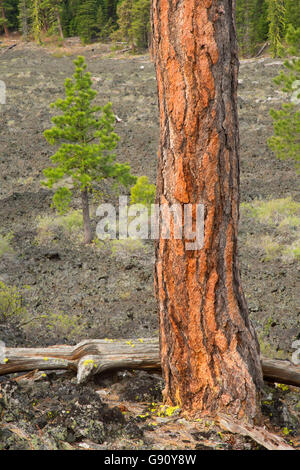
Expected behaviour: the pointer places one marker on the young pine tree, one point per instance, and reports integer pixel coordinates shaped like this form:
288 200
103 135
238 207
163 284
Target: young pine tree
286 122
87 141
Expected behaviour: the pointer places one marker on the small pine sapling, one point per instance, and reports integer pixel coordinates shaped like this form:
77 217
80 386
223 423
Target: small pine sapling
87 139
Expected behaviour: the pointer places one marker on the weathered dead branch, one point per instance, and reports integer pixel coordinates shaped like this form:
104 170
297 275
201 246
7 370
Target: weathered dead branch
87 358
261 50
8 48
92 357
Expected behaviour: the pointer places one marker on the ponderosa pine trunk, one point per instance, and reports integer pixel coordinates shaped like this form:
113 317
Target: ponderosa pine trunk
88 237
209 349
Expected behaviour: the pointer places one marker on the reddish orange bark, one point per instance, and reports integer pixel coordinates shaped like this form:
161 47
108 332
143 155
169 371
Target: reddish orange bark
209 349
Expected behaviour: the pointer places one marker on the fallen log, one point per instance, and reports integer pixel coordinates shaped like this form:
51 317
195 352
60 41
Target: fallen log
8 48
95 356
261 50
280 371
88 358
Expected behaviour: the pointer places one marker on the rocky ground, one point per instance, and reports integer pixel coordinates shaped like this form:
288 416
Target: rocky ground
69 292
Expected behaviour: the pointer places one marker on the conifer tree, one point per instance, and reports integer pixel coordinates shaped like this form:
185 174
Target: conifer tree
141 23
53 11
292 12
86 20
3 19
252 24
277 25
24 16
208 347
134 22
286 121
110 9
8 15
36 21
87 139
124 12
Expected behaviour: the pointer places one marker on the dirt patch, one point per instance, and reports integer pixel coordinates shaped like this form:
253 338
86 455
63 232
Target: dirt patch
51 412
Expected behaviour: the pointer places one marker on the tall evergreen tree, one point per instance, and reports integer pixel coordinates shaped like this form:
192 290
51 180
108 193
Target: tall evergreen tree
24 18
124 12
292 12
134 22
53 10
36 21
86 20
252 24
3 17
8 15
110 9
277 25
141 23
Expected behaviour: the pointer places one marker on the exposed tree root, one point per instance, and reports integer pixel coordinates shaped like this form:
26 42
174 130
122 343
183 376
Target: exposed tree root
260 435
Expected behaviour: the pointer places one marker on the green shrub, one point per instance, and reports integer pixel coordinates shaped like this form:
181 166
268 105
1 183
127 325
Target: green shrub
62 325
272 248
273 211
123 247
286 140
11 307
56 327
290 223
283 215
49 227
5 244
293 251
143 192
